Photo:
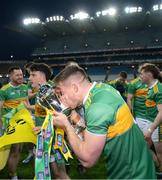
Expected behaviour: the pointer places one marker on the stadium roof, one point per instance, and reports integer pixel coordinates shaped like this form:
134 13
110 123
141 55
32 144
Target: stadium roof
112 19
21 46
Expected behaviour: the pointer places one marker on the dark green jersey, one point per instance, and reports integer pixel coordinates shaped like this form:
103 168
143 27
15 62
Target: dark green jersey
139 90
126 152
154 98
32 100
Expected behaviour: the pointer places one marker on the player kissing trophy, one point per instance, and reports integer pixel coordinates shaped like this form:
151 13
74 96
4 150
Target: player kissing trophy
47 98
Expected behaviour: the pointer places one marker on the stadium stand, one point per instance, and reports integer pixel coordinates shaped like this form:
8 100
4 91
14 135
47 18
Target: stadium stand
129 38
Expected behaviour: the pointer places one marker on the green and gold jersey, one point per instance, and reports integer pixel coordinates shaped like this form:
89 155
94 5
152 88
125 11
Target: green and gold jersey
40 114
154 98
139 90
126 152
32 100
12 96
121 87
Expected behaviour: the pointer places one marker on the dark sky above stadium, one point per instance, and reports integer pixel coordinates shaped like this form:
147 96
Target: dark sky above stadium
14 11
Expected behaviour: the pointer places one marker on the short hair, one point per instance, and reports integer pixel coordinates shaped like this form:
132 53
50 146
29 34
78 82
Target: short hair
42 67
152 68
69 71
71 63
123 74
12 68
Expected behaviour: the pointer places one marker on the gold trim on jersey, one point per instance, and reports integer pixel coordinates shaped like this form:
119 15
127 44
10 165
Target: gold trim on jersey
13 103
156 89
135 80
150 103
6 86
39 111
141 92
124 121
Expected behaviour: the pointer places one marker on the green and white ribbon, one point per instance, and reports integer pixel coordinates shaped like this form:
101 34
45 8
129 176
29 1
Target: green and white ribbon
44 145
43 149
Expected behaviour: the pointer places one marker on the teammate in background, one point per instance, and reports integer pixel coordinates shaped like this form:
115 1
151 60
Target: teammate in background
110 127
11 95
137 92
149 74
40 74
136 99
120 84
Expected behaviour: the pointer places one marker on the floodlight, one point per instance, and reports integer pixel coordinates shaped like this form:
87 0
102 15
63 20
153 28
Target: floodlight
80 15
160 6
110 11
139 9
55 18
133 9
98 13
156 7
28 21
32 20
127 10
61 18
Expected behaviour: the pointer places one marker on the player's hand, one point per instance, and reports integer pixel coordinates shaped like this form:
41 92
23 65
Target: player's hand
147 136
36 129
26 104
60 120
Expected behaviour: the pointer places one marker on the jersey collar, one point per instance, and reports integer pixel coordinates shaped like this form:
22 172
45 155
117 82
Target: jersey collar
13 85
86 97
153 84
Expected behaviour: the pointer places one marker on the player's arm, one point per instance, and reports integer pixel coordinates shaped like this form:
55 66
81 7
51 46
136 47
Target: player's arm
28 106
129 101
88 150
155 124
31 94
158 119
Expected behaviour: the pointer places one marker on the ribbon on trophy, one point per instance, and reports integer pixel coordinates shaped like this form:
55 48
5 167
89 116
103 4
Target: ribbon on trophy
43 148
48 100
60 144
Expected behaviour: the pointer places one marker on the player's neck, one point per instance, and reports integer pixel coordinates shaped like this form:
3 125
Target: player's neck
15 84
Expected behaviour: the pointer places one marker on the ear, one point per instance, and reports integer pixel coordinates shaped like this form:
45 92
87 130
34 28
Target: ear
75 87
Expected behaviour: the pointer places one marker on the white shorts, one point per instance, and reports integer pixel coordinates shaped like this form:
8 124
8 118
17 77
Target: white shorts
144 125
